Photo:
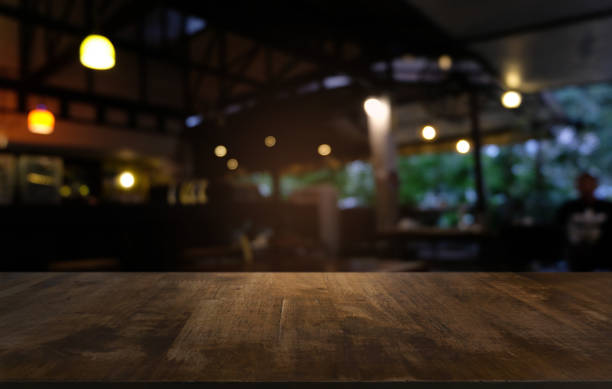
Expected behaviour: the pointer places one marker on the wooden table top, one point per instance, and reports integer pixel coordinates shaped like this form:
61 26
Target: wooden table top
306 327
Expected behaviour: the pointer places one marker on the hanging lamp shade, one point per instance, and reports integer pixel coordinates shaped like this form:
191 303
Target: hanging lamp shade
41 120
97 52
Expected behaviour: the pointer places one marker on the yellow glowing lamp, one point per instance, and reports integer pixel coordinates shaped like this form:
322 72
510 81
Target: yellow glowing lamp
269 141
463 146
445 62
324 149
511 99
126 180
428 133
65 191
84 190
220 151
232 164
41 120
97 52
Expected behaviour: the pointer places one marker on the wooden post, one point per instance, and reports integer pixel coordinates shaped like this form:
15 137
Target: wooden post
475 121
383 151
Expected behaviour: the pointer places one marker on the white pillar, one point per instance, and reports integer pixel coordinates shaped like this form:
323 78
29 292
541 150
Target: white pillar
384 164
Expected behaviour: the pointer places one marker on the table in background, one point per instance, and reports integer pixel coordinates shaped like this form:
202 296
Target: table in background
434 237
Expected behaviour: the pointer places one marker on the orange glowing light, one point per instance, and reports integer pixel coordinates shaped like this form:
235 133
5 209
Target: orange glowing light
41 121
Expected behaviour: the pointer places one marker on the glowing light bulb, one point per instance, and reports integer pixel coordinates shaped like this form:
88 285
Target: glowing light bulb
41 120
324 149
445 62
65 191
232 164
126 180
511 99
513 79
463 146
84 190
428 133
97 52
3 140
270 141
220 151
376 108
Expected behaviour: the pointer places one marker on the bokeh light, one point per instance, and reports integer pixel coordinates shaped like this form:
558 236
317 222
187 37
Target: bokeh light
41 121
445 62
463 146
126 180
428 133
511 99
324 149
97 52
376 108
270 141
232 164
220 151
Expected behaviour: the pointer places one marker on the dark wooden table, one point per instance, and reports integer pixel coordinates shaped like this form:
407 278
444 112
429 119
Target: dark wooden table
499 330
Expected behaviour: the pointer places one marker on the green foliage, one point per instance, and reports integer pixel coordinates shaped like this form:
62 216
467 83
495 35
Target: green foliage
442 178
523 180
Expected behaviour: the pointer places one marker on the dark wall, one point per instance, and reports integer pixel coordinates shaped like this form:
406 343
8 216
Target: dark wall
141 237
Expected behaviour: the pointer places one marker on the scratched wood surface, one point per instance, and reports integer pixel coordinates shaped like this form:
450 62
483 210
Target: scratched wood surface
305 327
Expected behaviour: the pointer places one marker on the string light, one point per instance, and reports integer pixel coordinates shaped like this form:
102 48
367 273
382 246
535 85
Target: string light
428 133
65 191
270 141
445 62
511 99
324 149
220 151
232 164
463 146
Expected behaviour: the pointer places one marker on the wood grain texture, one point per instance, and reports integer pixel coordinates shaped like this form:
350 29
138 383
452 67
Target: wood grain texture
305 327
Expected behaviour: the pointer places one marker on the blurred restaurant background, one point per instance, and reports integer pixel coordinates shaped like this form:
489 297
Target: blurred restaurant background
310 135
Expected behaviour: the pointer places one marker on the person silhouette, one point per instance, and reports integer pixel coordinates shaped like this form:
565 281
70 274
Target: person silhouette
587 227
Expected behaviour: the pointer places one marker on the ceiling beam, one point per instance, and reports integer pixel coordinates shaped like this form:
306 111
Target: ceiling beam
537 27
95 99
135 47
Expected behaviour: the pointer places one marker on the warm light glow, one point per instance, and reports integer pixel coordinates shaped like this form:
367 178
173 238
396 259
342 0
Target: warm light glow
39 179
513 79
65 191
97 52
232 164
428 133
376 108
445 62
41 121
463 146
126 180
3 141
270 141
220 151
511 99
84 190
324 149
